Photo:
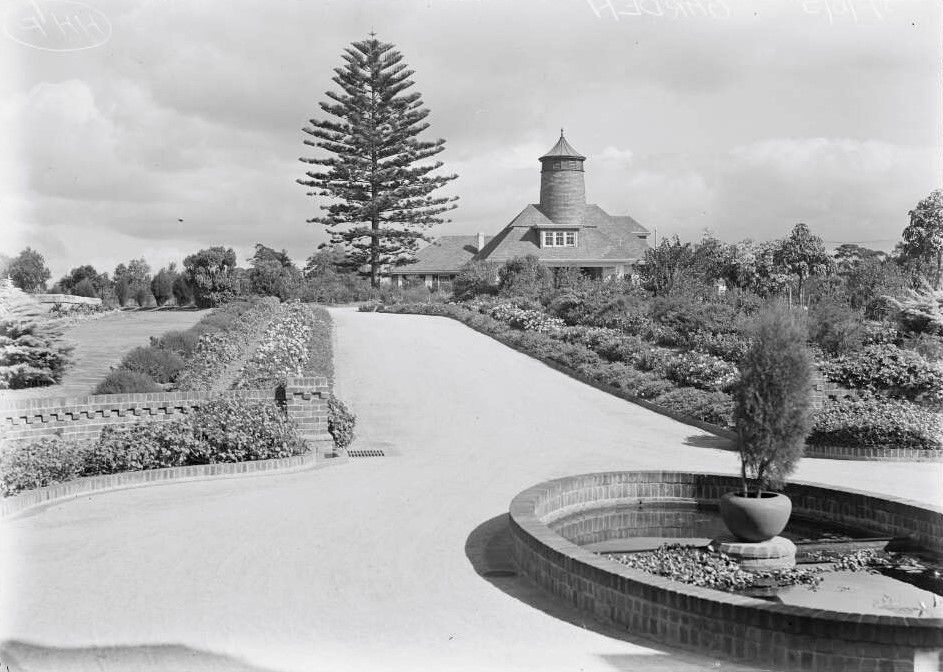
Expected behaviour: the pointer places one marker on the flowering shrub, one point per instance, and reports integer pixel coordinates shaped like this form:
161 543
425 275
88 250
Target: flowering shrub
877 422
730 347
224 430
888 370
527 320
340 422
44 462
236 430
703 371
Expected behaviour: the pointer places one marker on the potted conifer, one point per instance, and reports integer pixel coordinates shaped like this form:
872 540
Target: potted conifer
772 420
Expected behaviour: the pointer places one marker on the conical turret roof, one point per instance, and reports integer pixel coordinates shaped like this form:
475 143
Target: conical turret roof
562 149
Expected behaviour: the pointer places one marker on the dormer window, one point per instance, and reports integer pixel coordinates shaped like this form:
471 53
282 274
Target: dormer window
559 239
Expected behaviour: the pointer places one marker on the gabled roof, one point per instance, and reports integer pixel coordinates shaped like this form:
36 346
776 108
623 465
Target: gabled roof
562 149
444 255
601 237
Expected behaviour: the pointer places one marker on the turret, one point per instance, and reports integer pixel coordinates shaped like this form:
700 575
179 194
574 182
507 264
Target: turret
562 190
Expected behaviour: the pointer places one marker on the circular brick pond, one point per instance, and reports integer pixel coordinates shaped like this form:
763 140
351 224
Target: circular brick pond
560 528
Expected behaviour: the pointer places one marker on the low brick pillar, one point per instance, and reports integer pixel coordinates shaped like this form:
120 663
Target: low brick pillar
306 401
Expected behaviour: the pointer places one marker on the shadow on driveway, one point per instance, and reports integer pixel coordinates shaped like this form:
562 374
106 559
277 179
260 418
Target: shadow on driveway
19 656
488 548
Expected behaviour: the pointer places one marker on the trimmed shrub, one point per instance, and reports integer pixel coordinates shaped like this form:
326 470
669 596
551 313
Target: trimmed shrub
888 370
182 342
877 422
160 365
122 381
772 400
340 422
44 462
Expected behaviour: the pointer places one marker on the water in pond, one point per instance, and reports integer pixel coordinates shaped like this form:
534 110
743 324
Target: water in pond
915 591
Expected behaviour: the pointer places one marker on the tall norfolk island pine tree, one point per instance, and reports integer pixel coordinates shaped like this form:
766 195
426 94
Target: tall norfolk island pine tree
379 175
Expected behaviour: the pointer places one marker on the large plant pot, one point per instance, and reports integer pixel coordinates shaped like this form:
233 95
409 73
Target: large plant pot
754 518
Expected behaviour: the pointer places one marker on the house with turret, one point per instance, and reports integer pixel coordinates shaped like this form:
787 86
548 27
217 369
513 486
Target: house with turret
562 230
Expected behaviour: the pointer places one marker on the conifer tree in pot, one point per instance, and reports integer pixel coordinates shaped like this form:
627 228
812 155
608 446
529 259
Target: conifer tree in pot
772 420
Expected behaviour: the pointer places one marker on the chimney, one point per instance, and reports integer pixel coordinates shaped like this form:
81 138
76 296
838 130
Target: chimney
481 242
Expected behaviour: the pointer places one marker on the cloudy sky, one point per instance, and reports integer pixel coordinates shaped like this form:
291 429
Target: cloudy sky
741 117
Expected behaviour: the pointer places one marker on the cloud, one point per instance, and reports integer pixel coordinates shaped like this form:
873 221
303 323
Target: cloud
745 124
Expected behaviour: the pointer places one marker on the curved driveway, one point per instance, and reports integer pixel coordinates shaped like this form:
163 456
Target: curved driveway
390 563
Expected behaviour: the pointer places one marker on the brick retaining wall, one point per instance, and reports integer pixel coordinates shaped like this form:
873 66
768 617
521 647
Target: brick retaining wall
82 418
713 622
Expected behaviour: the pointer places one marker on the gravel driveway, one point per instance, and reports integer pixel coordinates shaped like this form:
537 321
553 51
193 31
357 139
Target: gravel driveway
377 564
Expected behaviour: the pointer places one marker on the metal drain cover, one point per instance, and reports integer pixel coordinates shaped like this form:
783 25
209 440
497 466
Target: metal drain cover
369 452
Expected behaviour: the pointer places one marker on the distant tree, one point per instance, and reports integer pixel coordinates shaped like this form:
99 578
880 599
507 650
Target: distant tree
668 268
162 286
85 287
328 260
263 253
136 276
84 276
923 238
123 291
271 278
870 280
380 174
211 275
183 292
5 262
710 258
28 271
802 254
772 415
848 255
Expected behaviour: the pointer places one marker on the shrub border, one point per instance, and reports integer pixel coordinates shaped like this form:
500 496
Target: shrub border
62 492
710 621
860 453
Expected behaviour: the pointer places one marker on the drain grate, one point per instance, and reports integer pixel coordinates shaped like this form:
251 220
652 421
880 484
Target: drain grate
372 452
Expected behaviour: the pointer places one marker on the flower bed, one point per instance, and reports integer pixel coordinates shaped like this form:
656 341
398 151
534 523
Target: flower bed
219 349
284 350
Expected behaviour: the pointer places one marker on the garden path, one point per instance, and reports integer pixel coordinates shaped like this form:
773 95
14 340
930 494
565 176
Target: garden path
101 342
371 565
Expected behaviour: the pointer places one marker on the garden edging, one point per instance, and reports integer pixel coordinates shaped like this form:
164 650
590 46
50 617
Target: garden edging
61 492
861 453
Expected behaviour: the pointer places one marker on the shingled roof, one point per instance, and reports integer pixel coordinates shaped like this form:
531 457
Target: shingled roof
562 149
601 237
445 255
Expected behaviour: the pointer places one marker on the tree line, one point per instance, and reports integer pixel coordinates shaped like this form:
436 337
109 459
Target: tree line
207 278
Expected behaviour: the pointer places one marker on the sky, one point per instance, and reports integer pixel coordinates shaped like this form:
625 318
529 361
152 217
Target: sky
119 118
